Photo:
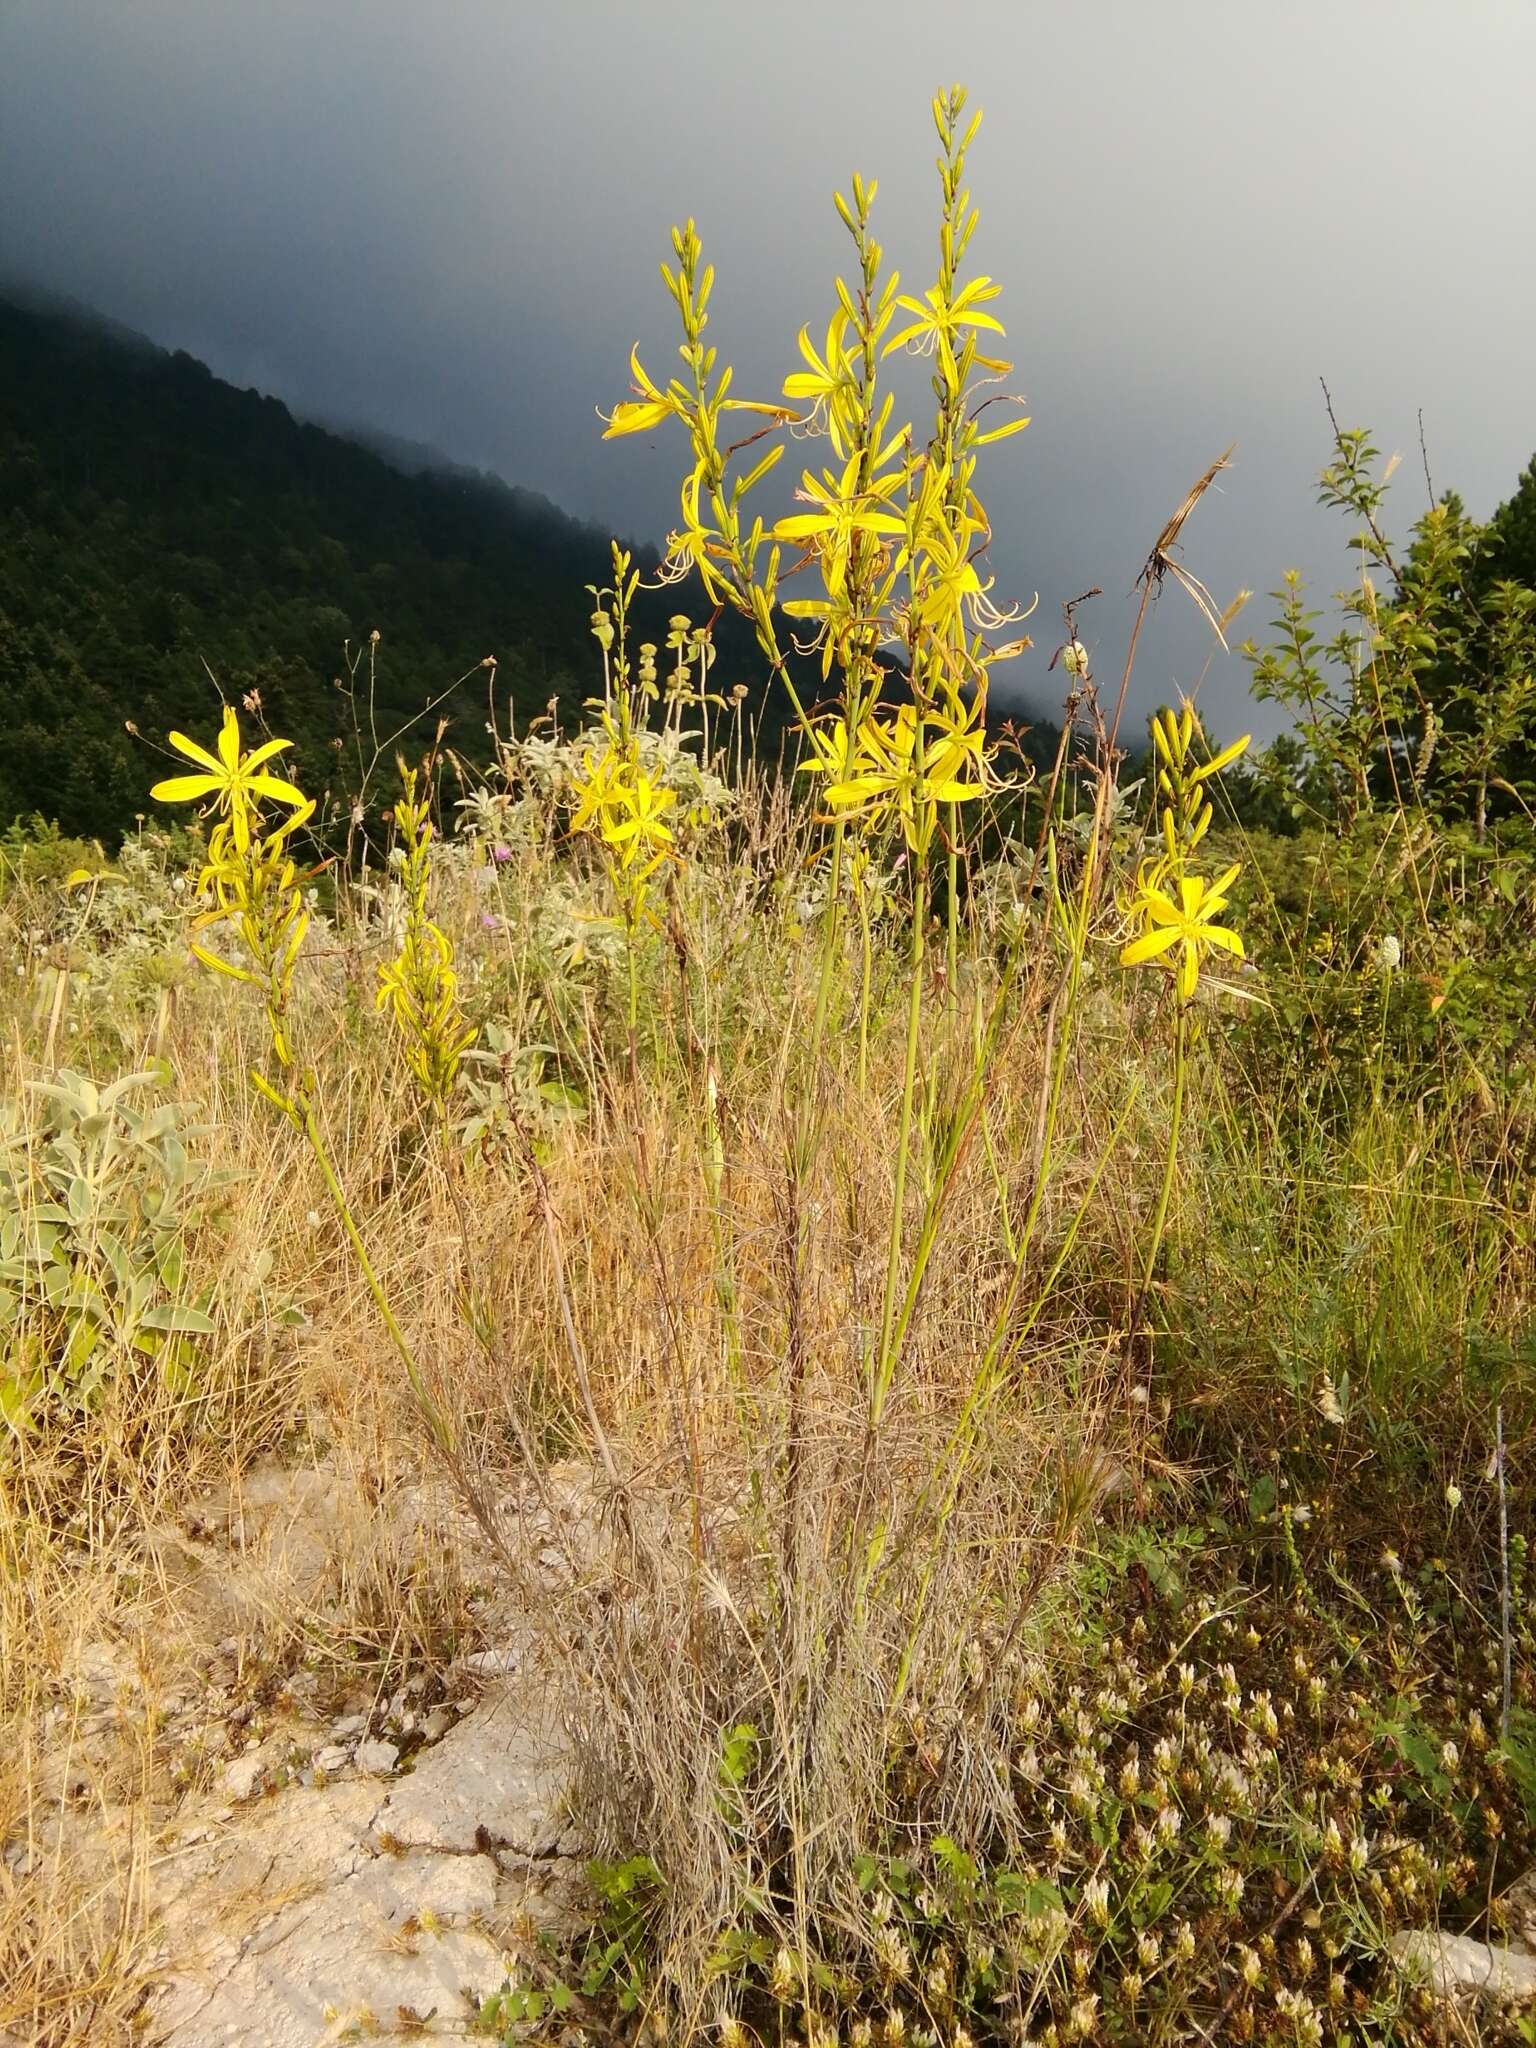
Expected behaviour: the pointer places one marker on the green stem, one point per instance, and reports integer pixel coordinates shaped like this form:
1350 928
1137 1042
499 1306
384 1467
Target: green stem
1170 1164
954 901
866 968
955 1458
1381 1040
634 998
885 1357
302 1116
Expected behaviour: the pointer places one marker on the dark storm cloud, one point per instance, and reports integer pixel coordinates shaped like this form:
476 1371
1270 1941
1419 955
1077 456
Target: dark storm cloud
445 221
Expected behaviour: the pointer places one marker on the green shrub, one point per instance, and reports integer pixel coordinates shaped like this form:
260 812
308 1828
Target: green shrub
96 1201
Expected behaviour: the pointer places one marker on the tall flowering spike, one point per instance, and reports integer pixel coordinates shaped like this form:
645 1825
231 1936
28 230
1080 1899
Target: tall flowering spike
826 382
904 766
250 876
419 986
844 509
1175 909
621 805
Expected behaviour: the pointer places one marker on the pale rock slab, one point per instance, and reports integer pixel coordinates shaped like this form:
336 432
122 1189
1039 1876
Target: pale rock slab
493 1782
245 1777
350 1955
1459 1968
1520 1910
340 1910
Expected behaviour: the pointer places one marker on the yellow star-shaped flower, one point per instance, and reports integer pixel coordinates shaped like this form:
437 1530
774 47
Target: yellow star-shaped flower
1183 924
233 779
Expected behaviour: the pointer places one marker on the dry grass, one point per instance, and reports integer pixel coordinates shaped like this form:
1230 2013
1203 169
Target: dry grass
759 1560
695 1398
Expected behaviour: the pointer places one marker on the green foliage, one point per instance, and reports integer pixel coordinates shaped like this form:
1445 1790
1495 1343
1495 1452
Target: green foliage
1426 696
154 519
1390 962
923 1766
1401 920
1512 532
511 1090
95 1206
611 1967
616 1951
35 853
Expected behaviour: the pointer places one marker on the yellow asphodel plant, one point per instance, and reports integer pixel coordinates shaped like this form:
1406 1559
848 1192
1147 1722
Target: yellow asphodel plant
420 986
249 878
893 529
254 888
616 800
1174 911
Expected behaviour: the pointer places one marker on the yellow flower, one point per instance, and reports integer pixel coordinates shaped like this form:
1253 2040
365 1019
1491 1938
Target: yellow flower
597 794
1184 925
420 986
623 806
829 747
950 582
250 877
843 511
886 775
638 829
232 778
694 545
826 379
635 416
939 321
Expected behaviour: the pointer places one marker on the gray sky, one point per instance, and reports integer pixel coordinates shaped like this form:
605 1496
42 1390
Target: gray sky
445 220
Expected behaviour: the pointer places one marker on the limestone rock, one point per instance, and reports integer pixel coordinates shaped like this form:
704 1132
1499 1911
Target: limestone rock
438 1722
1460 1969
355 1953
244 1778
1520 1913
504 1662
494 1782
352 1906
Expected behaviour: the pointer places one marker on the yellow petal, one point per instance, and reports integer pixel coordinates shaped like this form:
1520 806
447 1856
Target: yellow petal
1224 881
804 526
1161 908
219 966
1150 946
1002 433
185 789
264 753
194 752
636 416
281 792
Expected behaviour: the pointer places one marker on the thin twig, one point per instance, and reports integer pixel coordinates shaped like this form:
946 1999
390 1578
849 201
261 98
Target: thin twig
1504 1603
1429 482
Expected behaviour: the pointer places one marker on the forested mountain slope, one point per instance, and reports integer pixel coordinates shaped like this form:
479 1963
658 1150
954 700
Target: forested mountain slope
154 519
